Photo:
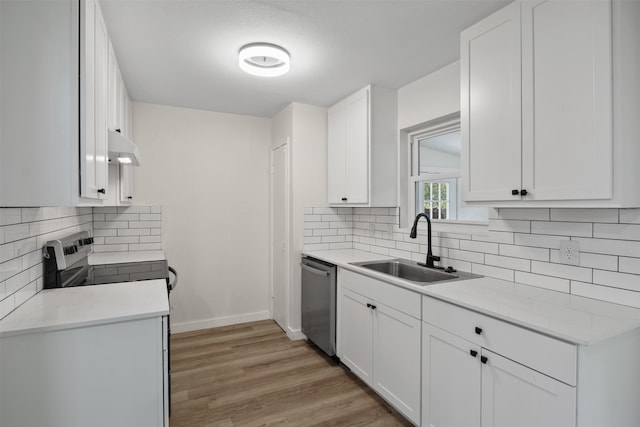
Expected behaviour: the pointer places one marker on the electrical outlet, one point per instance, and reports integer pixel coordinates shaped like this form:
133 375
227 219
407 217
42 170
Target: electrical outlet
372 229
570 252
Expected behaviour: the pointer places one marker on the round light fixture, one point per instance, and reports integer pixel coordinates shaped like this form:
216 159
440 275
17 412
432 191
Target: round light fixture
264 59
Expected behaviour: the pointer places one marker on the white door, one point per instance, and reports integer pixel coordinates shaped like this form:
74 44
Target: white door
566 100
280 234
450 380
396 359
491 107
356 334
514 395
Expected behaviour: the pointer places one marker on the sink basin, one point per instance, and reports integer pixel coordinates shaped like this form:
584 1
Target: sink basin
413 272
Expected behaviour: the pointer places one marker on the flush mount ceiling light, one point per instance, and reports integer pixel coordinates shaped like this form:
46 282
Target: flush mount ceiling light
264 59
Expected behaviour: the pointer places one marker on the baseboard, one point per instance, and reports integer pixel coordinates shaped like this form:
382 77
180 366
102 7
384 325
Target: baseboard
218 321
295 334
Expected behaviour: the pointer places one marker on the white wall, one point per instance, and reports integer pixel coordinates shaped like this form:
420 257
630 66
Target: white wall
210 173
306 127
430 97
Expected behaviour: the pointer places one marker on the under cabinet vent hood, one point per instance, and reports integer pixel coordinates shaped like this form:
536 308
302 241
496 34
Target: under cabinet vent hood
122 150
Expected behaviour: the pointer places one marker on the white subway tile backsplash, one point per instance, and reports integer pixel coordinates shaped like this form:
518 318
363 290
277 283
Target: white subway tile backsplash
345 245
540 281
123 239
132 232
515 226
32 214
333 239
538 241
134 209
507 262
107 232
629 265
16 232
312 218
524 214
563 271
617 280
312 240
473 245
332 217
630 216
110 248
605 293
521 245
495 272
120 217
532 253
99 225
150 239
315 225
562 228
10 216
585 215
150 217
144 224
617 231
7 305
610 247
475 257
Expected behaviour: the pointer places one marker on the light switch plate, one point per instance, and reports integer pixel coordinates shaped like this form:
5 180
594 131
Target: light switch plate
570 252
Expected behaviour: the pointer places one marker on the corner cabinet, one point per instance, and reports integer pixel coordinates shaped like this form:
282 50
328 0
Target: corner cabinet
379 338
362 149
481 371
53 138
548 100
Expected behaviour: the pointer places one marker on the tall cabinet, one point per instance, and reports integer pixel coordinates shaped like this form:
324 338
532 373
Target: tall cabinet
362 151
53 137
547 101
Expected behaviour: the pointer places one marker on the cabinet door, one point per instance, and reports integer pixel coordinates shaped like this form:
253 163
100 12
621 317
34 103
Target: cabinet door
450 380
337 165
356 334
567 99
514 395
348 150
491 107
396 360
357 148
94 104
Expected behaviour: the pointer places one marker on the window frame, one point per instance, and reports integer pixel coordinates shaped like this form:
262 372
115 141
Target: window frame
411 138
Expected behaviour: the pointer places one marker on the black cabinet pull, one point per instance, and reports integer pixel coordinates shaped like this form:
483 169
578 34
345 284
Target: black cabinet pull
129 197
102 190
514 192
369 305
344 199
373 307
483 359
473 353
523 192
478 330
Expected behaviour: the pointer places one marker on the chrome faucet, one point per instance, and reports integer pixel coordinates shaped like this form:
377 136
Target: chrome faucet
414 233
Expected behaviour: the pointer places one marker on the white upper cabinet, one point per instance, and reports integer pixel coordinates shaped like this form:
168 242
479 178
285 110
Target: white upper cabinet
541 80
53 140
120 118
94 86
362 149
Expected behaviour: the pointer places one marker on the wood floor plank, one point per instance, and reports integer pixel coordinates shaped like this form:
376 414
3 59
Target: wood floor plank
252 375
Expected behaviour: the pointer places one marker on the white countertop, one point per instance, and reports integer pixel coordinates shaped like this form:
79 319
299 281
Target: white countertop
121 257
572 318
56 309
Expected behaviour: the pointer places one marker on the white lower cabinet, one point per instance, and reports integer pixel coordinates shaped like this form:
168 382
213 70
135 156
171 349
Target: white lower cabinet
104 375
379 338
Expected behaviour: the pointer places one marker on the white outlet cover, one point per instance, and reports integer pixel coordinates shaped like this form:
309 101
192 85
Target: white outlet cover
570 252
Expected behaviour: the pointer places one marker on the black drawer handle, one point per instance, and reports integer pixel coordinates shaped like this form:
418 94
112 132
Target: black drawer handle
344 199
373 307
523 192
102 191
515 192
369 305
484 359
473 353
478 330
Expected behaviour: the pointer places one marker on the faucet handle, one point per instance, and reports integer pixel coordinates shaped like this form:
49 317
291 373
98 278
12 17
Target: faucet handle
435 258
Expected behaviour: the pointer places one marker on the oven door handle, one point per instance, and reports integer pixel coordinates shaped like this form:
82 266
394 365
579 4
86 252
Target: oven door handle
174 284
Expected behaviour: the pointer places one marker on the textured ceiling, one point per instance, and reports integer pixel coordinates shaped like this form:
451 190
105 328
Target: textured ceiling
184 52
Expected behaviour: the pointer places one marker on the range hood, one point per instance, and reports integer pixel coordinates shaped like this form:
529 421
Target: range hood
122 150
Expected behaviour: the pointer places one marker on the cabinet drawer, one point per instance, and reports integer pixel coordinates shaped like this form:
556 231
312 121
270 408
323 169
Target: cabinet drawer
392 296
544 354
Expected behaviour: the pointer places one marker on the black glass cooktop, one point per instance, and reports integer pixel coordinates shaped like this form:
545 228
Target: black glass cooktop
86 275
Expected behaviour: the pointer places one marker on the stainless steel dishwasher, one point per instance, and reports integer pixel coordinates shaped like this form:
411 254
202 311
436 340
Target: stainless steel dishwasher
319 303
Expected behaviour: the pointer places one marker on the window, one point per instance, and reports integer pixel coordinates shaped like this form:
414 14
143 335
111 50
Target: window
434 181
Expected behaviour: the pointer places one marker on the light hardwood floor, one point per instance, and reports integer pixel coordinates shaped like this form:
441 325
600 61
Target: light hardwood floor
253 375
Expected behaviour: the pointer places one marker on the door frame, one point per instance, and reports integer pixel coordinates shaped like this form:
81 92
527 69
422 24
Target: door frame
287 201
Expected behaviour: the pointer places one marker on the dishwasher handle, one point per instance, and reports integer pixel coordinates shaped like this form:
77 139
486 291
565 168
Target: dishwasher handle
314 270
172 285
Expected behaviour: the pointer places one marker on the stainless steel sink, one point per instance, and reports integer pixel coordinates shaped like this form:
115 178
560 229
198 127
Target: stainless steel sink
413 272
